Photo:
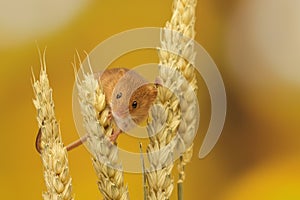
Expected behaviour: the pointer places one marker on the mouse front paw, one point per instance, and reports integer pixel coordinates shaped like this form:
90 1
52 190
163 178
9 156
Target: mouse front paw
114 136
109 116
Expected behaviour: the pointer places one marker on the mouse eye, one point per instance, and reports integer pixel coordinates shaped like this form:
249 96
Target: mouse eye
134 104
119 95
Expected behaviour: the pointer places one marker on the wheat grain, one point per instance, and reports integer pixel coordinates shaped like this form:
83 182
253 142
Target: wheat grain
54 155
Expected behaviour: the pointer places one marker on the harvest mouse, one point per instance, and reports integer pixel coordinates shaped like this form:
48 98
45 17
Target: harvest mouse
129 97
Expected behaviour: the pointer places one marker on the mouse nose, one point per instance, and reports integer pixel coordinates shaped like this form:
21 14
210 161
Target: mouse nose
121 113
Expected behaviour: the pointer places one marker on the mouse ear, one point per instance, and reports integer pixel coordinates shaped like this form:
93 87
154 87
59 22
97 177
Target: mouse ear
121 72
158 81
151 90
97 75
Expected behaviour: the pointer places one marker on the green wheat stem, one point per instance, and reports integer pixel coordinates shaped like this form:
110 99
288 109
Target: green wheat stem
180 191
180 183
143 173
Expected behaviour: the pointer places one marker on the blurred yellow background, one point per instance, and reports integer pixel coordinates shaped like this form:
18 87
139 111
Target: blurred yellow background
255 44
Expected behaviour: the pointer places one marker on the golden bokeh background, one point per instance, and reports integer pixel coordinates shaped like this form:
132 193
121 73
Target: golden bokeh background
255 44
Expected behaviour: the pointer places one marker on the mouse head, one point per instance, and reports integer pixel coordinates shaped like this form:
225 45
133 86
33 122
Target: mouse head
140 102
132 97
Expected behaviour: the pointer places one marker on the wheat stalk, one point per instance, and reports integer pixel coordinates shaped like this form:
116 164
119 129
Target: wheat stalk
97 125
160 150
54 155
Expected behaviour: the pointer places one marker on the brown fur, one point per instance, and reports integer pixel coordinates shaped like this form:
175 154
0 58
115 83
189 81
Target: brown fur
133 88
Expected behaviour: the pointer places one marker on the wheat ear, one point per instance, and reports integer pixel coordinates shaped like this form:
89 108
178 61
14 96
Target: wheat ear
97 125
160 152
161 129
54 155
183 22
